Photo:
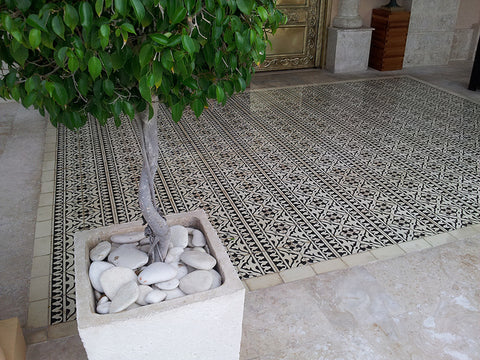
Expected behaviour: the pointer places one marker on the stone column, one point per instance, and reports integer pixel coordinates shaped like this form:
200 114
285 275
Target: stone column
348 43
348 16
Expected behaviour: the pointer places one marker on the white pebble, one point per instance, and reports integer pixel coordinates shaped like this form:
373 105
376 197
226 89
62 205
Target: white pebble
156 272
197 248
128 256
173 255
198 260
198 239
197 281
114 278
175 293
104 308
216 279
155 296
182 269
124 297
144 290
100 252
95 272
131 237
168 285
178 236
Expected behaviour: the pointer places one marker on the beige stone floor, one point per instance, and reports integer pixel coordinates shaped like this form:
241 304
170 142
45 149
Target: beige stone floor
304 313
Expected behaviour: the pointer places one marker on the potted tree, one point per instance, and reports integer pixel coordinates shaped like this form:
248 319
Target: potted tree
118 60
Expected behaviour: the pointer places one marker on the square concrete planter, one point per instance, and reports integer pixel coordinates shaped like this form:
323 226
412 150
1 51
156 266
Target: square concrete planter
206 325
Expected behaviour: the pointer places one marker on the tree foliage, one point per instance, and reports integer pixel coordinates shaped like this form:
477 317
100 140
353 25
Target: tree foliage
108 57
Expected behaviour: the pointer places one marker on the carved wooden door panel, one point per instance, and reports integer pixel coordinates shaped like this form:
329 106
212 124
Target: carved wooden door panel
294 45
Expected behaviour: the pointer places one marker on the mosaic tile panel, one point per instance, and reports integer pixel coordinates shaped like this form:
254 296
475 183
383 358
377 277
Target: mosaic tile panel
287 176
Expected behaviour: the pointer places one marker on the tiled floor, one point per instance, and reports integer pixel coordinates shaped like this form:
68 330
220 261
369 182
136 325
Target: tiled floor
289 176
453 77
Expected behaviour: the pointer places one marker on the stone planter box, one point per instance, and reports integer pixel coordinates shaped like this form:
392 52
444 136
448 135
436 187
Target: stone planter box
206 325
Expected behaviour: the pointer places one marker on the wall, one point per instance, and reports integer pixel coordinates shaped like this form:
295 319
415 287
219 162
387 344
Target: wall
431 32
439 30
467 31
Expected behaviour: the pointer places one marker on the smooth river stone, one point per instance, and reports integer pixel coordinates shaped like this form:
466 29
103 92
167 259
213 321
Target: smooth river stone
198 239
179 236
156 272
124 297
196 281
173 255
100 252
198 260
128 256
155 296
182 269
168 285
175 293
114 278
104 308
144 290
198 248
127 238
217 279
95 271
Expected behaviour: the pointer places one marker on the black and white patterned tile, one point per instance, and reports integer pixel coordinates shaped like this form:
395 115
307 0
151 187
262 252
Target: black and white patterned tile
287 176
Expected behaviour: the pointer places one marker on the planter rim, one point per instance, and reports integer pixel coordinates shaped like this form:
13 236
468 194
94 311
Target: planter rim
85 300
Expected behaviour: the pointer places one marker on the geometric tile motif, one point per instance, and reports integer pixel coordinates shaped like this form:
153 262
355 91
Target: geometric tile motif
287 176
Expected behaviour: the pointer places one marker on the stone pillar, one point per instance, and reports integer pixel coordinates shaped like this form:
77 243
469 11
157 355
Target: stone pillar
348 16
348 43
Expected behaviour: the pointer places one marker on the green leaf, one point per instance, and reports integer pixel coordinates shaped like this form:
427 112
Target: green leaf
28 100
157 73
35 38
34 21
104 33
144 89
145 55
108 87
262 12
94 67
188 44
159 38
60 56
128 28
73 63
20 55
58 27
32 83
60 94
178 15
86 14
128 109
83 84
99 7
220 94
121 6
70 17
245 6
177 111
139 9
197 107
23 5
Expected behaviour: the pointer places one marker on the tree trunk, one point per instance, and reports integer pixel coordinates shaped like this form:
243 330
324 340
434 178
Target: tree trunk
157 229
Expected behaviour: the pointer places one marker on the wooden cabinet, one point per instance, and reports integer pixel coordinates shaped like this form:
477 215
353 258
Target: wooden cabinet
388 38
